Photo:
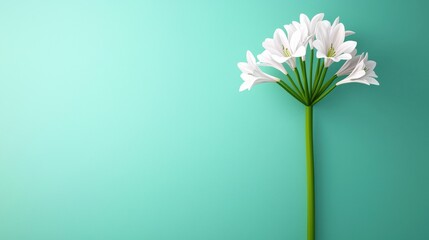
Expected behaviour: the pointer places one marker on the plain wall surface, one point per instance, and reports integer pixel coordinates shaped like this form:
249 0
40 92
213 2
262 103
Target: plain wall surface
122 120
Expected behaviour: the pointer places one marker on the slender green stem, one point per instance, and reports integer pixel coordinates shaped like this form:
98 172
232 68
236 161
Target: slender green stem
294 85
319 69
326 85
310 173
320 81
304 76
300 83
311 70
290 91
324 95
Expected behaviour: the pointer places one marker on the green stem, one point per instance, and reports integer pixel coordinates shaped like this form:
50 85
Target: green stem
304 76
300 83
326 85
320 81
294 85
311 69
324 95
290 91
310 172
319 69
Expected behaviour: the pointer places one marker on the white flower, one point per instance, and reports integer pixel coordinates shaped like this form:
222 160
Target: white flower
330 43
266 59
252 74
284 49
307 27
363 72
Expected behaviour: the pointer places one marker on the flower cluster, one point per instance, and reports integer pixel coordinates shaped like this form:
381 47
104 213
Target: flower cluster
287 52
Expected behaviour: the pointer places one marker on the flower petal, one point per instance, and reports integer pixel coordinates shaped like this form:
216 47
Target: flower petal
372 81
304 19
358 74
344 81
245 86
250 58
266 59
344 56
300 52
320 54
318 17
336 21
371 64
346 47
371 74
348 33
268 43
280 38
295 40
247 77
337 35
244 67
322 33
320 47
280 59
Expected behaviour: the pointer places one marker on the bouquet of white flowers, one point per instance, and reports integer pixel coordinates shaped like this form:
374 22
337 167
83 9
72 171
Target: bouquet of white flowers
287 53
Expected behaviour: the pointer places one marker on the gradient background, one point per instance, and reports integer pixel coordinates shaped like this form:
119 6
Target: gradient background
123 120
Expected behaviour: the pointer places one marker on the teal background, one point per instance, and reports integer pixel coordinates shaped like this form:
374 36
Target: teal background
123 120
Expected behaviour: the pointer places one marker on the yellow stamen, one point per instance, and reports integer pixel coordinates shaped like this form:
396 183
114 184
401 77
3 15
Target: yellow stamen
286 52
331 51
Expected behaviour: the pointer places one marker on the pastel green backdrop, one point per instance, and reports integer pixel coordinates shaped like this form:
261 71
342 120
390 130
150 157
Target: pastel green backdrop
123 120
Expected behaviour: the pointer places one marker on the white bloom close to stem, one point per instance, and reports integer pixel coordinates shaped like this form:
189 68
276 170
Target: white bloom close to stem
363 72
330 43
285 49
306 26
252 74
266 59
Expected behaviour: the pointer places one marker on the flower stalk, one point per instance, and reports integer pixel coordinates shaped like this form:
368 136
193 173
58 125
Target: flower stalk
304 76
311 69
304 93
319 82
310 173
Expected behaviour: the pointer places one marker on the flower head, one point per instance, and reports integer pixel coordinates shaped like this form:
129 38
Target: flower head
289 45
252 74
363 71
330 43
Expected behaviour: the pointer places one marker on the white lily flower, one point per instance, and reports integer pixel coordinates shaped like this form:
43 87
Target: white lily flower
284 49
266 59
362 73
306 26
252 74
330 43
